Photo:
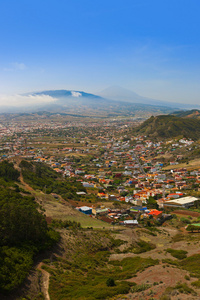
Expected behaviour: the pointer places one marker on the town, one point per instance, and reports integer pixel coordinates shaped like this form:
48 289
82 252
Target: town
126 178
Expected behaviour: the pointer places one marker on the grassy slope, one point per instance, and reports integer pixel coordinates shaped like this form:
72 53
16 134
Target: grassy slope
60 209
169 127
191 165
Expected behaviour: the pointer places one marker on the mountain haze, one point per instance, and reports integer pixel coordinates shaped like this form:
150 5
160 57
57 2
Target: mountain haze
80 102
120 94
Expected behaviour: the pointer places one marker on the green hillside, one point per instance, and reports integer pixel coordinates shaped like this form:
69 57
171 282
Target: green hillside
170 126
23 231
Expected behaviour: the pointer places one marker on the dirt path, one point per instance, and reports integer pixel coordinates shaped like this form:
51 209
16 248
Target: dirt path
45 274
24 183
45 282
16 165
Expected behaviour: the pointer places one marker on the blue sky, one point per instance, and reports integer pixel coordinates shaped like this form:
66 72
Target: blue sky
150 47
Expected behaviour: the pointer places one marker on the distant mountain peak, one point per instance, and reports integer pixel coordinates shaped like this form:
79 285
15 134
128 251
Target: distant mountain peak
119 93
66 94
75 101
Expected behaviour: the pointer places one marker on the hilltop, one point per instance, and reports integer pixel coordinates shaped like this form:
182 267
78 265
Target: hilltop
194 114
170 126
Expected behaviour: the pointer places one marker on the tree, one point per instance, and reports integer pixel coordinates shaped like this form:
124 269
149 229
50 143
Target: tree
110 282
152 203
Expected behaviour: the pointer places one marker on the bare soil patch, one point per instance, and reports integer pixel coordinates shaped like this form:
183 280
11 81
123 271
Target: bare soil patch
163 277
187 213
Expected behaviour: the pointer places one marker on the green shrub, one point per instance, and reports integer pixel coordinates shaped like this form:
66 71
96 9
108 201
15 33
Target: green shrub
140 288
179 254
144 247
193 228
140 247
110 282
170 262
185 220
196 284
192 264
184 288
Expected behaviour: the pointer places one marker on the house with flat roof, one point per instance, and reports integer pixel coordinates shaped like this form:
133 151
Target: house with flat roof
85 209
184 202
130 222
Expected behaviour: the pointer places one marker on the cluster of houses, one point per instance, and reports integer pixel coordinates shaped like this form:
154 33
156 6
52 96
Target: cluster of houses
128 217
111 165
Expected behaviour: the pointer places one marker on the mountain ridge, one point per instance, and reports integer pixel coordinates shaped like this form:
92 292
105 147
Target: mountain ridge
78 101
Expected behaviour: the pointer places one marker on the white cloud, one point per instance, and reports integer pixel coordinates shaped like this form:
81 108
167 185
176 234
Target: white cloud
76 94
16 66
24 100
19 66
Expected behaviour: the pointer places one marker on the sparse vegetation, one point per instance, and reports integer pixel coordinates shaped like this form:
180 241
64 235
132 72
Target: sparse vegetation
94 271
191 264
140 288
182 288
196 284
139 247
